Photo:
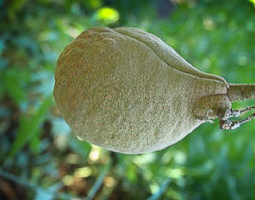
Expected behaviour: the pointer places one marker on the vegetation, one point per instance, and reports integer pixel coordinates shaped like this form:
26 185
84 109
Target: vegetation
40 158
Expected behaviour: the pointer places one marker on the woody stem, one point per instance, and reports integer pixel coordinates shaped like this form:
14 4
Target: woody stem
241 92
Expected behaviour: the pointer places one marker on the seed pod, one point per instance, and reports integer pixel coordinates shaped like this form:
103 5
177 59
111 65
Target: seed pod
126 90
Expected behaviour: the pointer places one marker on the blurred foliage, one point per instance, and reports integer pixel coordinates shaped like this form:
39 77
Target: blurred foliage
41 159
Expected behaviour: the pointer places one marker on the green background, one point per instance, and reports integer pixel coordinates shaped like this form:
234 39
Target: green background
40 158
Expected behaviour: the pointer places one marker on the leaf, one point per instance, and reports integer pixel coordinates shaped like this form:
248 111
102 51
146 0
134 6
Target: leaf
161 190
252 1
14 82
81 147
43 194
99 181
28 127
49 193
35 142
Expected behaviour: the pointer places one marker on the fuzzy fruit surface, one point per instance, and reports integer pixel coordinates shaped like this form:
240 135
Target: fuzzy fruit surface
127 91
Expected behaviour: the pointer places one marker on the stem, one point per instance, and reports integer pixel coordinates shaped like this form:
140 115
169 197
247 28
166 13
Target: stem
241 92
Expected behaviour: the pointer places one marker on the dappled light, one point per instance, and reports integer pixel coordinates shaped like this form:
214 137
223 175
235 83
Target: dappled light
107 15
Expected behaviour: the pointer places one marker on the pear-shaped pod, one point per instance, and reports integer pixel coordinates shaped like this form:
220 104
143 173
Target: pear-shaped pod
127 91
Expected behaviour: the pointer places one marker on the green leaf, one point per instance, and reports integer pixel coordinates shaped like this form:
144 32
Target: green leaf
252 1
49 193
107 15
161 190
13 82
43 194
99 181
34 144
29 127
81 147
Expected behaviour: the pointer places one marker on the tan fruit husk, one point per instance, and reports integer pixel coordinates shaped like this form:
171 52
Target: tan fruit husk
127 91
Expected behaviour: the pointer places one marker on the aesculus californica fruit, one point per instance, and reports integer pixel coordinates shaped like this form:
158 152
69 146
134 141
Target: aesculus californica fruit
126 90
